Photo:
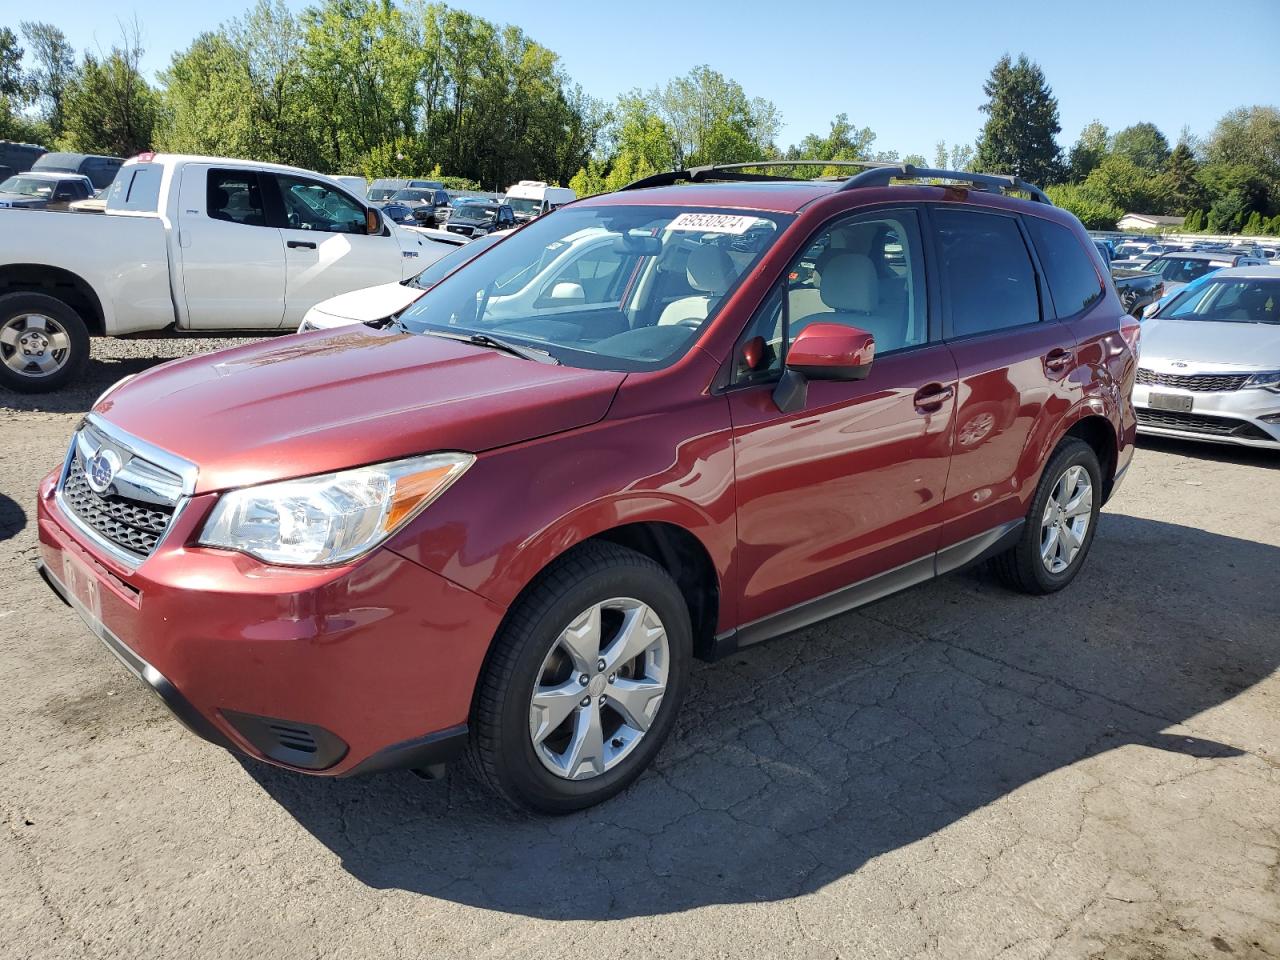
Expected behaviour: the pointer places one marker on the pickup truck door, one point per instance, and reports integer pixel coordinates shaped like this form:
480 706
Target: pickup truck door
327 251
233 273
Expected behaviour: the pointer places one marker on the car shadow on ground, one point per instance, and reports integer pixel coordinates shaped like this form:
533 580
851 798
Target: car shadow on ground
797 761
13 519
1215 452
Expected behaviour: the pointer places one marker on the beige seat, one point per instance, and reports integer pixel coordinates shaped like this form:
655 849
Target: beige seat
851 291
709 270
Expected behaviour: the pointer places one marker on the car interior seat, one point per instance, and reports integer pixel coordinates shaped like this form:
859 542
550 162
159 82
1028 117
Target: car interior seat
710 271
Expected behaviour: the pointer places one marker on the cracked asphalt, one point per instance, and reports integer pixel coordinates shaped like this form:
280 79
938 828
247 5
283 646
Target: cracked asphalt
955 772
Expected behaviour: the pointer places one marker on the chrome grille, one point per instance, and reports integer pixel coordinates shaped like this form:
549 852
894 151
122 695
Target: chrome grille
135 526
131 516
1198 382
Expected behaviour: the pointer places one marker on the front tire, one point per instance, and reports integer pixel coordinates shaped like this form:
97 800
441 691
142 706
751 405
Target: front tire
1060 523
44 343
583 683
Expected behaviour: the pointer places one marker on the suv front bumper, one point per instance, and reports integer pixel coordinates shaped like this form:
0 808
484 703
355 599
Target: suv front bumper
332 671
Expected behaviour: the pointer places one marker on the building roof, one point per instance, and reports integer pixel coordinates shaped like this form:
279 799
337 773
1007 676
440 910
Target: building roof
1155 219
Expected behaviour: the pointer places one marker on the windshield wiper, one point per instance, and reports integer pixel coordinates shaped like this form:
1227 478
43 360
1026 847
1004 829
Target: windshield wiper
484 340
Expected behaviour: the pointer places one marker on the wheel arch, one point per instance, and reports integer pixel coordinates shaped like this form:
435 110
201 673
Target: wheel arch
59 283
1100 434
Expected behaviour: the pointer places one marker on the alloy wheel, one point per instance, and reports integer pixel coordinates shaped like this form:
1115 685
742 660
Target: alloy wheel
599 689
1065 523
34 345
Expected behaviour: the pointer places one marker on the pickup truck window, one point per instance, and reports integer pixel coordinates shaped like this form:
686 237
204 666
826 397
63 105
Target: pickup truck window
235 195
310 205
136 188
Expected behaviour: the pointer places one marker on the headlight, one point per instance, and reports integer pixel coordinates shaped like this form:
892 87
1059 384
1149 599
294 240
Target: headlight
1268 381
332 518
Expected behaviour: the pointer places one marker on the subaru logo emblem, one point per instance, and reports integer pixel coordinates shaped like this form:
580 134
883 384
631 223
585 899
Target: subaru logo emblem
1179 364
102 470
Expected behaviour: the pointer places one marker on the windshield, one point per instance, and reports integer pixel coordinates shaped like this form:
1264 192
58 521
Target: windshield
384 189
609 287
1177 269
523 205
475 211
28 187
412 193
1230 300
451 261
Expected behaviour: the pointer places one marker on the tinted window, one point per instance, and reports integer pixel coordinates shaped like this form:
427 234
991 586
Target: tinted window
235 195
990 282
1073 283
865 273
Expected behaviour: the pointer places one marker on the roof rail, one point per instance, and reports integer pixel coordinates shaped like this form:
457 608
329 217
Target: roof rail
736 172
881 175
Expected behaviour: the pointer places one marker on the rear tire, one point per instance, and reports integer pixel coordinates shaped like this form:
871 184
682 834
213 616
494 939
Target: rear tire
1060 523
44 343
622 694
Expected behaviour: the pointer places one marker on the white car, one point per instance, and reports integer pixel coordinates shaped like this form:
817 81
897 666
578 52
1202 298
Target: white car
1210 362
186 244
374 304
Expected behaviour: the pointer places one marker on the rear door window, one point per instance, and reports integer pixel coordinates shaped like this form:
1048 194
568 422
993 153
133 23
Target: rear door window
988 277
235 195
1073 282
136 188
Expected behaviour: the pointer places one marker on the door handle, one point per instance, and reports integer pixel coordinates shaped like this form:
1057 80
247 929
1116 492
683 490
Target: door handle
931 397
1057 359
300 245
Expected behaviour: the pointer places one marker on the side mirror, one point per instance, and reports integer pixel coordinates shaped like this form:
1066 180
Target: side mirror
823 351
372 222
567 291
832 351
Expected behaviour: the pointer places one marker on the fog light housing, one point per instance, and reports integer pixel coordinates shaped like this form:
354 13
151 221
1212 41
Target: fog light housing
1271 418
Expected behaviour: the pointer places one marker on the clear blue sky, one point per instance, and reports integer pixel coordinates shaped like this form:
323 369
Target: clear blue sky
912 72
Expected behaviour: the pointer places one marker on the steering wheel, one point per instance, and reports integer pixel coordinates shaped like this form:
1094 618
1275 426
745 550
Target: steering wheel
692 322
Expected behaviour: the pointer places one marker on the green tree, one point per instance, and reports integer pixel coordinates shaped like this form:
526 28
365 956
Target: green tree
55 68
1180 181
1226 213
1094 212
1120 182
1088 151
109 107
1144 145
1253 226
712 120
1194 222
1022 123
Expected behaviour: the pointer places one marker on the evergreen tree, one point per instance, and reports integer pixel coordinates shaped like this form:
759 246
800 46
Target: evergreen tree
1253 226
1194 222
1180 181
1022 123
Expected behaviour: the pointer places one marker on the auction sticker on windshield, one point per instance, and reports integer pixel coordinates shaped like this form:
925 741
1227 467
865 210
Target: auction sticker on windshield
711 223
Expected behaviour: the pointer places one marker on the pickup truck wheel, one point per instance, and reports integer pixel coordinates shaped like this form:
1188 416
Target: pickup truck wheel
43 342
583 683
1060 524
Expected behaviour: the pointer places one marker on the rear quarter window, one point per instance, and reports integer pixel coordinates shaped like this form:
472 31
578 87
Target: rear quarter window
1073 282
136 188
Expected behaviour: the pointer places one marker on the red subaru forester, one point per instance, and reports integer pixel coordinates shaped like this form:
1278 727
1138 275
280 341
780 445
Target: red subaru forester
662 423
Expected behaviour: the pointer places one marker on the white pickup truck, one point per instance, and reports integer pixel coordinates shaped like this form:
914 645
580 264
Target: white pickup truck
187 245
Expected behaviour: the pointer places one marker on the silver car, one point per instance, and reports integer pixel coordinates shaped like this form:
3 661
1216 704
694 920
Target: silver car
1209 366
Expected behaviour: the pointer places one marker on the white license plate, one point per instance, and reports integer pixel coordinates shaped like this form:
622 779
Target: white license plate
83 587
1177 402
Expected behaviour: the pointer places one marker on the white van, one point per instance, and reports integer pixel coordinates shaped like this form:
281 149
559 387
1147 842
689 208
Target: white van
529 199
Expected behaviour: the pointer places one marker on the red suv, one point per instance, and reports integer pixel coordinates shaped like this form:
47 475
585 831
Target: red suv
662 423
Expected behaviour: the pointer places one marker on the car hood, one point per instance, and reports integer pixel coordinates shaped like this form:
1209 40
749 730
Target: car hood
324 401
361 306
21 200
1205 345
